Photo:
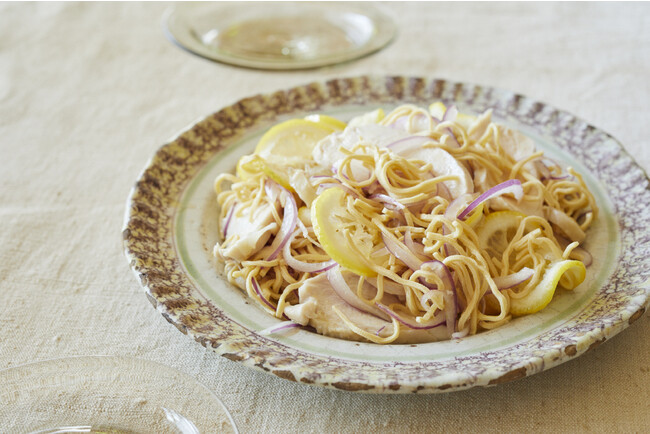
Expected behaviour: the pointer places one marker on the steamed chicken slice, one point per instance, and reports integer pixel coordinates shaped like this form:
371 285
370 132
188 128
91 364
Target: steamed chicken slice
317 299
247 233
327 154
299 181
443 164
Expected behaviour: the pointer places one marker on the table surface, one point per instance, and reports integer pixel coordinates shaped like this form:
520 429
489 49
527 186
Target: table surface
88 92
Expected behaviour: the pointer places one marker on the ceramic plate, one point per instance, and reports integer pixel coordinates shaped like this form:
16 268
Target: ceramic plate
171 227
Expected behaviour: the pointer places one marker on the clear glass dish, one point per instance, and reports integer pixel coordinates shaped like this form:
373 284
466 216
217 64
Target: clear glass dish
106 394
272 35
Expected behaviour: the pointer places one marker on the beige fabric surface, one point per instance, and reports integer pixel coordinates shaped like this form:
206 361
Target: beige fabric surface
88 92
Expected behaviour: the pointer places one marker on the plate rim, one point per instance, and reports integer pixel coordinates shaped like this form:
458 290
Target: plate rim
335 92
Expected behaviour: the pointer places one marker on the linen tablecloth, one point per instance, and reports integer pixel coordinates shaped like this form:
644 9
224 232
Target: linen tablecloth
89 91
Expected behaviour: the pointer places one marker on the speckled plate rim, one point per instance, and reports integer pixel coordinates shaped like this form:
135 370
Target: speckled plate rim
149 240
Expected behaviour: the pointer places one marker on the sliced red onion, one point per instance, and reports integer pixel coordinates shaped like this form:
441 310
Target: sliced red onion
460 334
273 190
321 177
445 275
449 294
443 191
511 186
450 114
511 280
412 324
360 173
379 331
380 252
347 189
400 251
387 200
302 227
283 327
577 253
453 138
566 223
542 169
314 267
390 287
427 296
289 221
340 286
582 255
373 188
408 143
228 218
257 289
416 248
399 123
451 213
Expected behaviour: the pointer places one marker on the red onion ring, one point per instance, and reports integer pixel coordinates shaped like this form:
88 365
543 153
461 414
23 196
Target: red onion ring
566 223
451 214
582 255
307 267
340 286
443 191
427 296
577 253
399 123
450 114
542 169
289 220
416 248
322 176
272 190
450 296
284 326
327 185
408 143
511 186
387 200
400 251
228 218
390 287
257 289
511 280
373 188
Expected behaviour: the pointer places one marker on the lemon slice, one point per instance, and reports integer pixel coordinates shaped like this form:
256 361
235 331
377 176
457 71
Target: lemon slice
374 117
292 142
438 109
328 214
324 120
496 231
250 165
475 216
245 169
568 274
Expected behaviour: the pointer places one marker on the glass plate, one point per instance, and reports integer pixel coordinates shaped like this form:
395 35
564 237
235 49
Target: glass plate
171 227
284 35
104 394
